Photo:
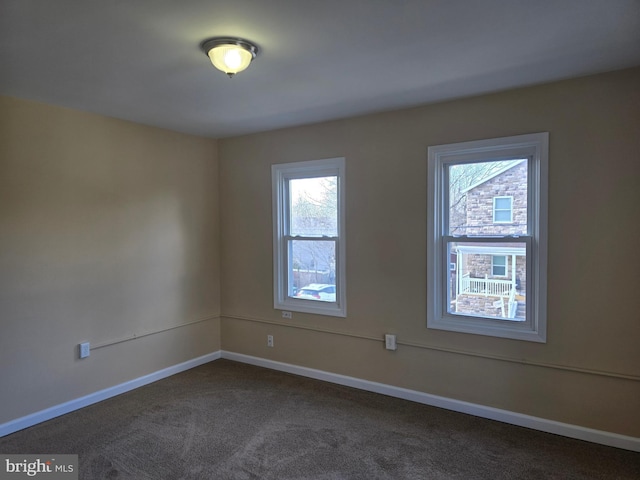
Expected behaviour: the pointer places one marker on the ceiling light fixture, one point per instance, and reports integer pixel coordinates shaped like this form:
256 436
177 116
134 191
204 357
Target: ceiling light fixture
230 55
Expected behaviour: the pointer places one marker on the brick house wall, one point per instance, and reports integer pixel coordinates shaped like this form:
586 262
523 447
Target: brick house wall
475 304
479 203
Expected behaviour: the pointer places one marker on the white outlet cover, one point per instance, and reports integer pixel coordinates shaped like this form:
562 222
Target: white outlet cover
85 349
390 342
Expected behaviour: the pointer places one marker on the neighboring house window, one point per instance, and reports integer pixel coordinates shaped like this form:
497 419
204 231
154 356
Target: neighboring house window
499 265
471 225
502 209
308 237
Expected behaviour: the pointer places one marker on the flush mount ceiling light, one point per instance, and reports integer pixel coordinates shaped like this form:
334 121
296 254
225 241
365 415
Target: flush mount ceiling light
230 55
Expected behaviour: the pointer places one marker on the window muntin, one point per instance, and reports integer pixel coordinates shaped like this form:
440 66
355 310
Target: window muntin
502 209
309 247
499 265
465 179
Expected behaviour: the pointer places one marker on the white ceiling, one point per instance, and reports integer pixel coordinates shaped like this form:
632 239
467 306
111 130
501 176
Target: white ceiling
320 59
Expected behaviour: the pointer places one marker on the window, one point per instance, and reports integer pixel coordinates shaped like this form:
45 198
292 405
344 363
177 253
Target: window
502 209
308 237
499 265
487 211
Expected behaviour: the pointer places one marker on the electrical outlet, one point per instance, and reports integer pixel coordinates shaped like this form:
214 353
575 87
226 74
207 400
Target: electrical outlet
286 314
269 340
85 349
390 342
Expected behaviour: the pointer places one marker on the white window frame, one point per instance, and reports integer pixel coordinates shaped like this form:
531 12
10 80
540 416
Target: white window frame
503 209
535 148
282 285
493 266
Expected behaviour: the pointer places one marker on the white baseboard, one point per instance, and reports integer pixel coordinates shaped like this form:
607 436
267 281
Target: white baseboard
506 416
70 406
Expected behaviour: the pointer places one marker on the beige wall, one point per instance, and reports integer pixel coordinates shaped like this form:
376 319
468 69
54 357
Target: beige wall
588 373
108 229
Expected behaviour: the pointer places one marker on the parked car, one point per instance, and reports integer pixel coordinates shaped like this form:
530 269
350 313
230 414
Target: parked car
318 291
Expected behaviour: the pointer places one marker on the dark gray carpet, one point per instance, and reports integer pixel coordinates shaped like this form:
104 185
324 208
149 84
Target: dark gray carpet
226 420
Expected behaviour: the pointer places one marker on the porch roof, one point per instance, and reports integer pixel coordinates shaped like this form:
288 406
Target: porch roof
491 250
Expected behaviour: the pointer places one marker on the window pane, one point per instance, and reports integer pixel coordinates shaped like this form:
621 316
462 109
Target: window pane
472 191
489 280
503 203
499 265
314 206
313 269
503 216
500 260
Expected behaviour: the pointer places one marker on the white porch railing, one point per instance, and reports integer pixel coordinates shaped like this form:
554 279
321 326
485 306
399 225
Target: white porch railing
508 308
488 287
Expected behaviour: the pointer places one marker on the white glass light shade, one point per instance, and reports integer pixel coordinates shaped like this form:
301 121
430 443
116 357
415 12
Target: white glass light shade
231 59
230 55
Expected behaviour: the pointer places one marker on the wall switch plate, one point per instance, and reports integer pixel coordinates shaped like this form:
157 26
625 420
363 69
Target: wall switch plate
286 314
390 342
269 340
85 349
